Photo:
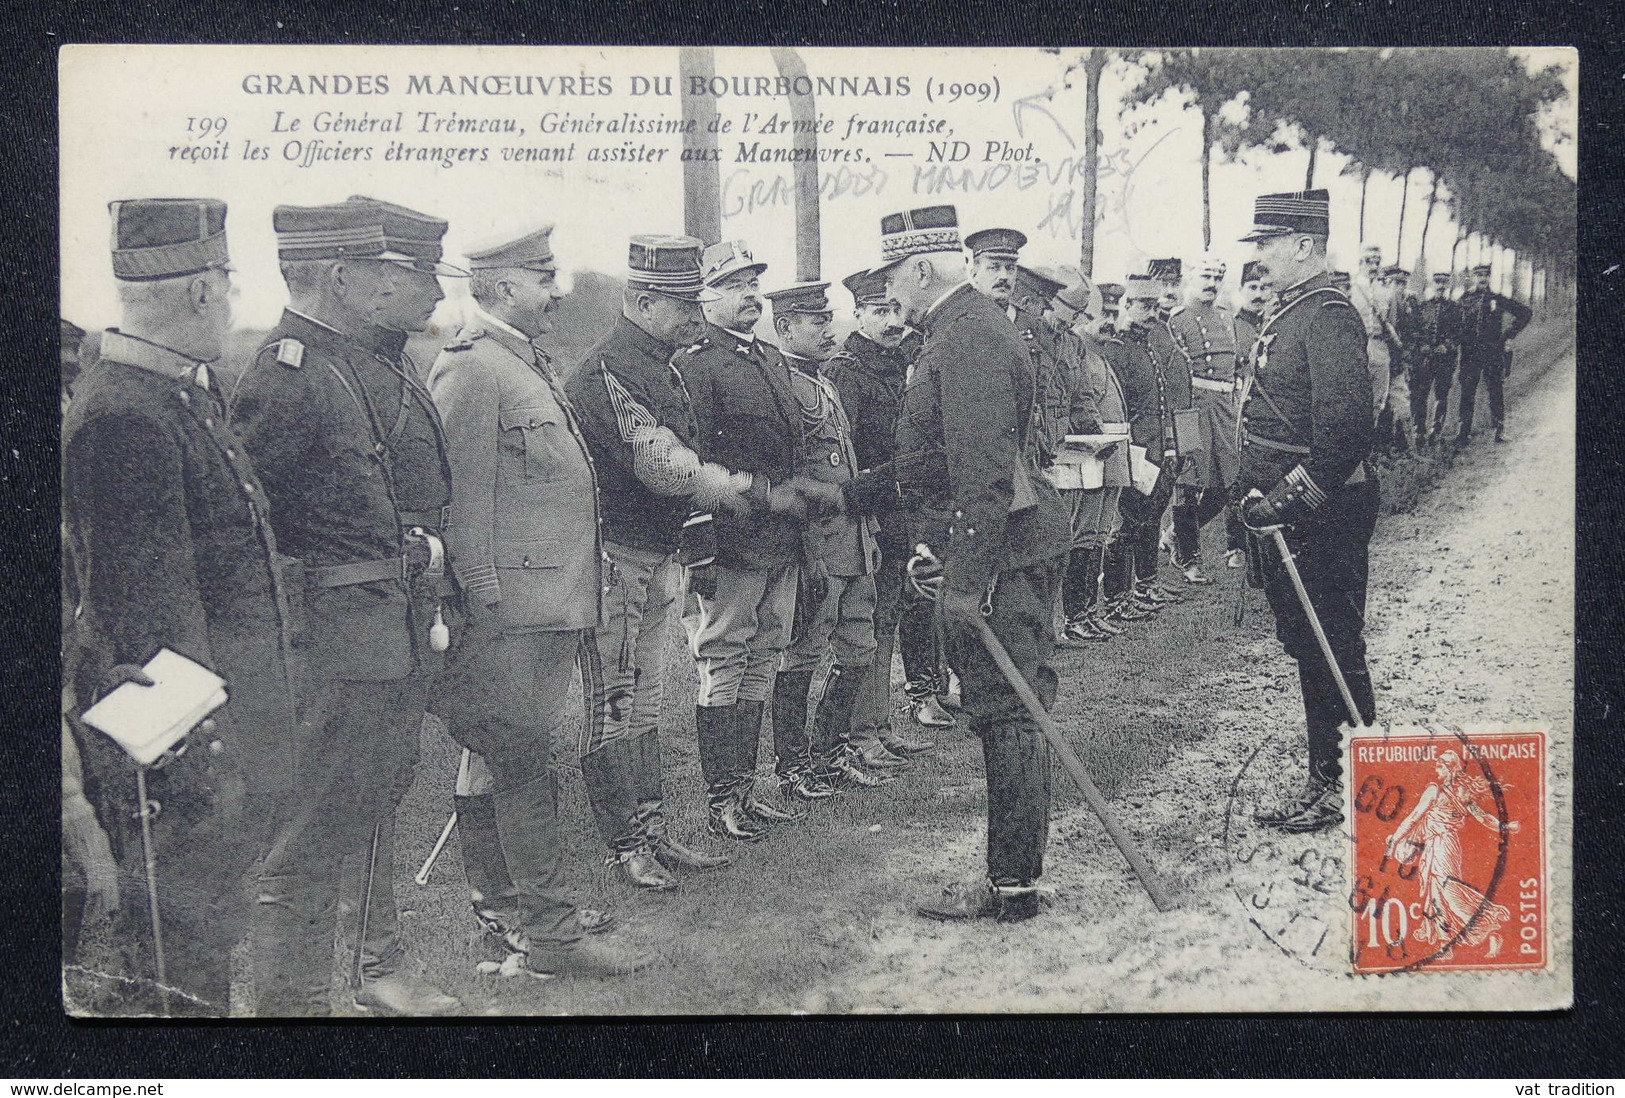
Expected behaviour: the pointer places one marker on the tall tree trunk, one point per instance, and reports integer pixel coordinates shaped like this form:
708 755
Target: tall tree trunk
1207 175
702 172
1461 237
1427 219
1309 172
1404 200
1093 65
1365 181
809 256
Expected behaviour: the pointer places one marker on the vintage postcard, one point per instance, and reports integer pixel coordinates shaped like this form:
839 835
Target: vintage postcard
696 530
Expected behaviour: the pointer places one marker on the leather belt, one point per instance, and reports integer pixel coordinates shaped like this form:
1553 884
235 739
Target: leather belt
438 519
1271 444
1114 428
1212 385
361 571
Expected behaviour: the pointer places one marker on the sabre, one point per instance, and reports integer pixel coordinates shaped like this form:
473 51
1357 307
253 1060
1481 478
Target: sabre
1073 765
1314 624
422 879
147 811
366 904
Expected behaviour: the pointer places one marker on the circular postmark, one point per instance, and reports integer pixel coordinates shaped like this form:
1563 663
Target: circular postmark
1396 886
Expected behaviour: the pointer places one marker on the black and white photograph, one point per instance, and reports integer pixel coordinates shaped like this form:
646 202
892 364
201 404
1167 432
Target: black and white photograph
689 530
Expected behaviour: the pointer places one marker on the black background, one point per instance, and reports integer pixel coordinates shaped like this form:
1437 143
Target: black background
38 1042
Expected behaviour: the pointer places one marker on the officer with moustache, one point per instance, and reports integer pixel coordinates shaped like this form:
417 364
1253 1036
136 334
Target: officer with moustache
1488 322
1306 435
1433 360
749 422
966 442
869 373
836 603
166 525
350 449
527 554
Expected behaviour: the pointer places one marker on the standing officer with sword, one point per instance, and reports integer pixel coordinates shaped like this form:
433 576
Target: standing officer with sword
1306 428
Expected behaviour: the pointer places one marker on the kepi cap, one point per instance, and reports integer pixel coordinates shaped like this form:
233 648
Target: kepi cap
1080 297
1110 294
917 232
1394 270
1291 212
1034 291
156 238
363 228
1250 271
1442 276
1211 265
668 265
998 243
1164 270
533 252
867 287
806 298
1482 269
1341 278
1143 288
720 261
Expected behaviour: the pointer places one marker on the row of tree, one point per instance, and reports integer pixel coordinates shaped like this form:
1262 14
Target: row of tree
1469 122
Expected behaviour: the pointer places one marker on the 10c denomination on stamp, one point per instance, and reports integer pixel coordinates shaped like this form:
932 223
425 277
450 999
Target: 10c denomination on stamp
1447 850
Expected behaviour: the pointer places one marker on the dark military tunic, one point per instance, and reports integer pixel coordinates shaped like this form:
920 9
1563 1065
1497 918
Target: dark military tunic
631 361
1435 344
967 445
749 422
167 528
1488 321
1306 434
870 380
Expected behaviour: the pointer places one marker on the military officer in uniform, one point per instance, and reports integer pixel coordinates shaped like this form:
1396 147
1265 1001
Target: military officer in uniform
1307 429
869 373
995 256
1488 322
1131 567
349 445
966 440
1095 519
1169 274
1433 358
526 552
167 527
1253 305
1378 310
836 603
658 497
750 422
1206 341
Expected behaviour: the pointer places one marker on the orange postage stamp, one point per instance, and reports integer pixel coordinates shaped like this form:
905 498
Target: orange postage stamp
1448 850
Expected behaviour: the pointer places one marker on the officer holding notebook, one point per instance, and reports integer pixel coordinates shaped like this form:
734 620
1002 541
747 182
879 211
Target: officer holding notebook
167 527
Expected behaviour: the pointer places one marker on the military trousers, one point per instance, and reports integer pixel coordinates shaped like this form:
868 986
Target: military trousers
1096 518
738 636
206 834
623 673
1142 523
872 713
1378 365
842 626
1014 751
507 692
1331 549
1493 372
1431 375
359 743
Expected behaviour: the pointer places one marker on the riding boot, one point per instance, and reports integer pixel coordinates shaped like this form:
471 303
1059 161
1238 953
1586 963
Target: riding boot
528 825
748 741
714 729
669 851
790 745
490 889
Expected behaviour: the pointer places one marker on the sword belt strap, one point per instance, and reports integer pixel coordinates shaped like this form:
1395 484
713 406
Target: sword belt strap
1213 384
361 571
1272 444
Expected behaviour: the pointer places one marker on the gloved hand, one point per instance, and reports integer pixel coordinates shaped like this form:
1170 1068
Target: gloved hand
815 583
702 581
1258 513
118 675
787 499
924 571
821 498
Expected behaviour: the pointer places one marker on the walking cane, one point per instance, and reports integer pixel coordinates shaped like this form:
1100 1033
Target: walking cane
422 878
366 905
147 812
1073 765
1314 623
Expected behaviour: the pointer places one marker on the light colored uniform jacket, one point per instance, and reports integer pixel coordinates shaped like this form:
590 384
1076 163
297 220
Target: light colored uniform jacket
524 528
845 544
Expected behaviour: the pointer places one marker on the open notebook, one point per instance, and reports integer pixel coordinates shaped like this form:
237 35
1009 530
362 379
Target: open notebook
148 720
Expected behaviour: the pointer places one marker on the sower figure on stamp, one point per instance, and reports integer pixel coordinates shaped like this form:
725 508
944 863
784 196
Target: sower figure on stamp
1095 518
966 441
526 552
1433 358
869 373
1307 426
1205 337
750 422
1488 322
166 524
836 602
349 446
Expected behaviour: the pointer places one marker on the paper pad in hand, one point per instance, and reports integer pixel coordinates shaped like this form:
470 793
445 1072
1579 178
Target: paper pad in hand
148 720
